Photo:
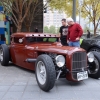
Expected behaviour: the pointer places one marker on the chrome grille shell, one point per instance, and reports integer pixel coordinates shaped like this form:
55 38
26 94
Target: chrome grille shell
79 63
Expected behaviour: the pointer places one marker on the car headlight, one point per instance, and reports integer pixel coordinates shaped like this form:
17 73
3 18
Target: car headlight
60 60
90 57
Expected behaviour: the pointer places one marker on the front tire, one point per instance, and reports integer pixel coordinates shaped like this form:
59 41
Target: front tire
45 72
94 70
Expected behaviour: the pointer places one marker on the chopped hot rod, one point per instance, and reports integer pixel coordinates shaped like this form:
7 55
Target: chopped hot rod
47 57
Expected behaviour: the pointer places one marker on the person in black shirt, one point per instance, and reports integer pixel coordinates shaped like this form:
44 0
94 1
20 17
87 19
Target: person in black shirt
36 30
63 32
88 34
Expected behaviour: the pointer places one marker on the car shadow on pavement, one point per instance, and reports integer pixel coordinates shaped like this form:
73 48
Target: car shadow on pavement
60 82
63 81
21 68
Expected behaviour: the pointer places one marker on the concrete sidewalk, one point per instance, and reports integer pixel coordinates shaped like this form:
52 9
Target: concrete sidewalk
19 84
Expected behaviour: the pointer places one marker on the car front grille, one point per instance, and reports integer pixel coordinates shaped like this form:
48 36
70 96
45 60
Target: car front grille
79 63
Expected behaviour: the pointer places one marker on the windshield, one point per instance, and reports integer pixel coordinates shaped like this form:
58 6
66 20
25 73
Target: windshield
41 39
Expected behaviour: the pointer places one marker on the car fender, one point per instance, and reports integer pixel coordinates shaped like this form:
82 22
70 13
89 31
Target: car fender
94 45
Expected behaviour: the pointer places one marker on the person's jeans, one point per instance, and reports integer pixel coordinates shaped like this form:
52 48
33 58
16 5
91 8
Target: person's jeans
74 44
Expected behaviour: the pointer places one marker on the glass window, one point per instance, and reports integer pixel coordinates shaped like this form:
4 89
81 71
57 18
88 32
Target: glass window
18 40
41 39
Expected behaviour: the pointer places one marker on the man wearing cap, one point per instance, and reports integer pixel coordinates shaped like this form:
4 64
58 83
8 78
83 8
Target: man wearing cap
74 33
63 32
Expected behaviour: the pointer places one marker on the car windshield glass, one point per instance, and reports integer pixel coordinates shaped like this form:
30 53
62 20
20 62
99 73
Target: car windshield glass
41 39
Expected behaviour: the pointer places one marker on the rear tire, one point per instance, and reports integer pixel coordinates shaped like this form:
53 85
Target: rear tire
45 72
94 70
4 55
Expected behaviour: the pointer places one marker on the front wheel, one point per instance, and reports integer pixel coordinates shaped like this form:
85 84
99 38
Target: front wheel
94 69
45 72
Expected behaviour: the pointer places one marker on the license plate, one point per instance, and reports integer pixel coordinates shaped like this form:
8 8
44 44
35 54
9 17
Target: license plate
82 75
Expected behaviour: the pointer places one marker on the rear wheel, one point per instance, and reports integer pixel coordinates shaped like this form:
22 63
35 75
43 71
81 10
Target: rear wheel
94 69
4 55
45 72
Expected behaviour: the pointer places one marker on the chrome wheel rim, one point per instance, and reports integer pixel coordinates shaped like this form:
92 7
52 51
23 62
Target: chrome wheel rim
1 54
95 68
41 72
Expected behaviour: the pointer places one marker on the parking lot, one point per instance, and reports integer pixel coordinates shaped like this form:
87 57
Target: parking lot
20 84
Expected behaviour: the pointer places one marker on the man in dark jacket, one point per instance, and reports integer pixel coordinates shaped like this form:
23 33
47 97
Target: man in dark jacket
63 32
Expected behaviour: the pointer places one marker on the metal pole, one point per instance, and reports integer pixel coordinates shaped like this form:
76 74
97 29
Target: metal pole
80 4
74 10
80 15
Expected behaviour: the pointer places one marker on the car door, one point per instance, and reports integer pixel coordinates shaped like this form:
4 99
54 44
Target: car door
30 52
19 51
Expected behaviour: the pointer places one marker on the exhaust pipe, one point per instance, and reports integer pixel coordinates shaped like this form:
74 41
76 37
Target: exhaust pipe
29 60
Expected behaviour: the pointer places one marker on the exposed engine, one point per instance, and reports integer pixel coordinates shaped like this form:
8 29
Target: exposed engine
61 72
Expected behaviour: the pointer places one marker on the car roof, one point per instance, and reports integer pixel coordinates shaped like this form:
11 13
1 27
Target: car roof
26 34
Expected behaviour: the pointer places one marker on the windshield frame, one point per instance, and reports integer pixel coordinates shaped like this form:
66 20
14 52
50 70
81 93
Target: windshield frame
40 40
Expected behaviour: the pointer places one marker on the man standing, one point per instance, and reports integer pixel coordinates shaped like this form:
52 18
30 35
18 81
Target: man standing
74 33
63 32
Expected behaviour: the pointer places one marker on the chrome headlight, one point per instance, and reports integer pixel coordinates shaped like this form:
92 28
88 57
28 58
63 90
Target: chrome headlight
60 60
90 57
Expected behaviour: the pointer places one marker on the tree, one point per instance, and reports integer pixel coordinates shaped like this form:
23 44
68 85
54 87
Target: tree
46 29
0 4
16 9
63 5
34 11
57 30
52 29
90 10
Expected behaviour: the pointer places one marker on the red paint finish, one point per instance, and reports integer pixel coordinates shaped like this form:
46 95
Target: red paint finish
21 51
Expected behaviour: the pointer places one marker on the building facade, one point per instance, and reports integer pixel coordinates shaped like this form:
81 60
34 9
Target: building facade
53 18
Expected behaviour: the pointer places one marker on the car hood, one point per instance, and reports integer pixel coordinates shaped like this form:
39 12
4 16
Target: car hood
92 41
54 47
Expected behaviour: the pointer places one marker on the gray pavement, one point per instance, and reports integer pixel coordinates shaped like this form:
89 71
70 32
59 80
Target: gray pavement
20 84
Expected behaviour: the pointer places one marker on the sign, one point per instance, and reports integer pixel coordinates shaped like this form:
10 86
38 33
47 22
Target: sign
1 8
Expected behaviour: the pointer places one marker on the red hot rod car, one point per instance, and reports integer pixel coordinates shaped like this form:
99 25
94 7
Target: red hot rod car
47 57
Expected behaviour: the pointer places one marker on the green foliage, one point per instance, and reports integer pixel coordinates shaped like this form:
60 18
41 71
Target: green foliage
64 5
57 30
52 29
90 10
46 29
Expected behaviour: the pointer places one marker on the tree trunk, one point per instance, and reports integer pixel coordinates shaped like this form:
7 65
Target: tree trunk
28 28
94 26
95 31
19 27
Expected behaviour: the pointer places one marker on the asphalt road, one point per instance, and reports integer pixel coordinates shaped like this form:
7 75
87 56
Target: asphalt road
19 84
